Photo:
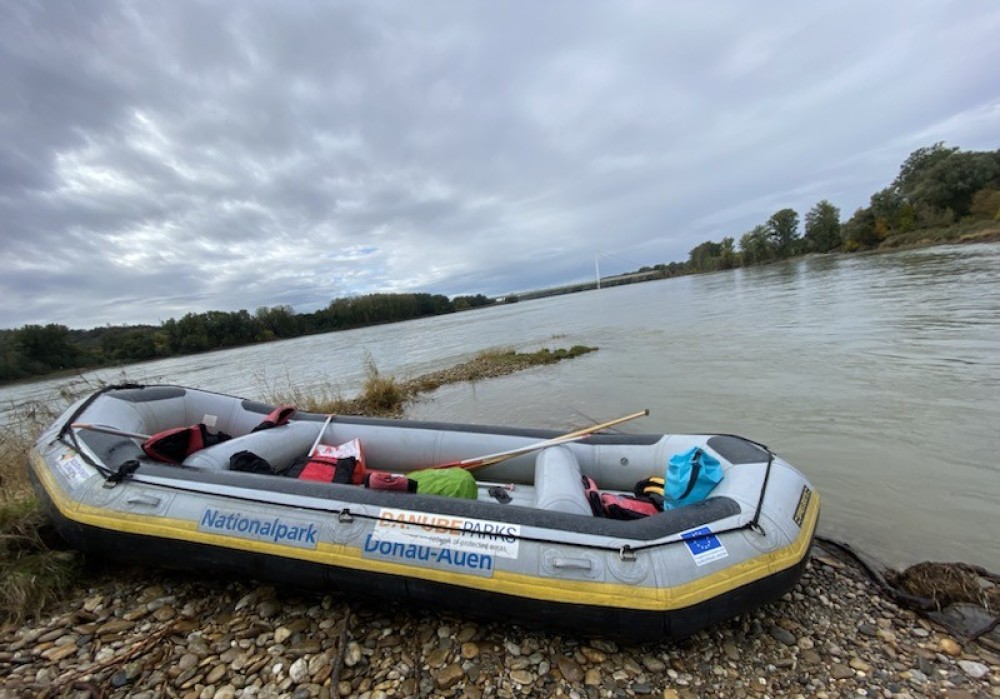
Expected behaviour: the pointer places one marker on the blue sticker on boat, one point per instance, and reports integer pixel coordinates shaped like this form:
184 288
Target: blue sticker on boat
704 546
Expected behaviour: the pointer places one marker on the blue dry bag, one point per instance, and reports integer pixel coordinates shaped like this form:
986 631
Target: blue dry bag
690 478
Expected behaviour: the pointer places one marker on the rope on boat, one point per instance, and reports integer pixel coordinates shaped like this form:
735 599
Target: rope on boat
67 429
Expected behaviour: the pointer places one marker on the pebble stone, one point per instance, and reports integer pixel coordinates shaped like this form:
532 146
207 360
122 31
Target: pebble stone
833 636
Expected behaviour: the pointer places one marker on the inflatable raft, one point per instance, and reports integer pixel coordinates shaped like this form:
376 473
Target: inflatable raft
527 548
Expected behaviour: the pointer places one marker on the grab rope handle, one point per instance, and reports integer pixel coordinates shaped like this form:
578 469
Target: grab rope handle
67 434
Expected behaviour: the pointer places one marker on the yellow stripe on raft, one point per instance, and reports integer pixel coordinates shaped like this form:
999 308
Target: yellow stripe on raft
601 594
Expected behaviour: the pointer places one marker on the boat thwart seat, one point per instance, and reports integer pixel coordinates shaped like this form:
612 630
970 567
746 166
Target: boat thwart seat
559 482
278 446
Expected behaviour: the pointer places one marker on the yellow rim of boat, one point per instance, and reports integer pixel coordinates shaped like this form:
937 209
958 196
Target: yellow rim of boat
594 593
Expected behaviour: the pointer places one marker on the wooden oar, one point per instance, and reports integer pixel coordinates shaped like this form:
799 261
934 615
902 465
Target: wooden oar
584 431
108 430
490 459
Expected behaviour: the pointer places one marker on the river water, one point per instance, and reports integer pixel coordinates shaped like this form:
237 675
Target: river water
877 375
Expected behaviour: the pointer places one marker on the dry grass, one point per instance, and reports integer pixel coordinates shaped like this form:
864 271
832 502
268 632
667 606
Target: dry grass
380 396
33 569
947 583
384 396
34 572
963 232
493 363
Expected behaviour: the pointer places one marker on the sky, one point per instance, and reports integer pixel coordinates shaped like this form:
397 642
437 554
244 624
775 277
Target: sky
160 158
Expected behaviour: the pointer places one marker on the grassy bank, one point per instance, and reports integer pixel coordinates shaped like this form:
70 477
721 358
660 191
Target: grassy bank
34 571
386 396
964 232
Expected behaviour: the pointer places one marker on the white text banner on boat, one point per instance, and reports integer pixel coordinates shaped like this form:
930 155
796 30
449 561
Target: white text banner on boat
459 533
441 541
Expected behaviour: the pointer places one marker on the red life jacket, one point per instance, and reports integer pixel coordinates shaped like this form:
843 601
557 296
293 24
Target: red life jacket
331 470
172 446
626 507
344 463
276 418
593 496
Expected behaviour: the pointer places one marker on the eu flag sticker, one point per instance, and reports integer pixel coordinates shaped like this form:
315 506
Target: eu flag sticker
704 546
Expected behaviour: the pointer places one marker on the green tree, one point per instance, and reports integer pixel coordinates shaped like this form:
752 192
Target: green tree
462 303
859 231
277 321
986 204
47 348
914 169
756 247
11 361
705 257
938 178
783 228
128 344
822 232
888 208
727 258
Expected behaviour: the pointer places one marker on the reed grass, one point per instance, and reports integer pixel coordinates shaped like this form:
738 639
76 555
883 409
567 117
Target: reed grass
492 363
386 396
34 570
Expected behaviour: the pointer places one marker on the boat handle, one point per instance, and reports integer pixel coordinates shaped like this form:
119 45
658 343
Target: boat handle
573 563
147 500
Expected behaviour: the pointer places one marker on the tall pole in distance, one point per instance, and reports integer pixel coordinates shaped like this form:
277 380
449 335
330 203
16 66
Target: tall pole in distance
597 270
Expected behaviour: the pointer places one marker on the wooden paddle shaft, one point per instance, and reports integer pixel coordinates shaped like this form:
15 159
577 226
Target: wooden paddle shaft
605 425
480 462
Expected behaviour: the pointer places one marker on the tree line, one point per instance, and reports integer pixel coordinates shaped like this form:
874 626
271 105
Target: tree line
36 350
938 191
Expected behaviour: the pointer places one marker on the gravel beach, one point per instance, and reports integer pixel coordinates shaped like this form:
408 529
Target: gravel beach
169 635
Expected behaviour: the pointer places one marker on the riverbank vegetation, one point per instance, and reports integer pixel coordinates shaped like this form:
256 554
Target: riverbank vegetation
941 195
387 396
36 350
34 571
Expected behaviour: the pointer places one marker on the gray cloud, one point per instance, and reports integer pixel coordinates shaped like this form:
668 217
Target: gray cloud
163 158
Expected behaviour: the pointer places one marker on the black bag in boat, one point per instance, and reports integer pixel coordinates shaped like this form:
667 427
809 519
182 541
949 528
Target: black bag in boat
248 462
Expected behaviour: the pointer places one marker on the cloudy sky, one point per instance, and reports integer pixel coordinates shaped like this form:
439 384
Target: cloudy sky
164 157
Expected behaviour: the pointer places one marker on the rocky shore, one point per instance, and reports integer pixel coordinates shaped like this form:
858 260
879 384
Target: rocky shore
169 635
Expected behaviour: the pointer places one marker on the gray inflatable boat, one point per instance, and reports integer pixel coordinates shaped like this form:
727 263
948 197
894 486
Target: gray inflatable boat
528 547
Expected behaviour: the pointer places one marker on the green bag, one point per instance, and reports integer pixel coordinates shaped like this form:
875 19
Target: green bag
450 482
